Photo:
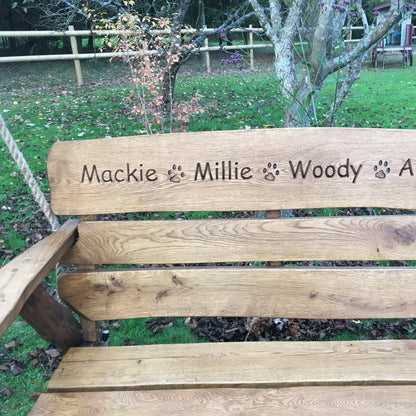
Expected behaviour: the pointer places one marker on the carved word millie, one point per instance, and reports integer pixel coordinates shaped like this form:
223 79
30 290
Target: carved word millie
221 171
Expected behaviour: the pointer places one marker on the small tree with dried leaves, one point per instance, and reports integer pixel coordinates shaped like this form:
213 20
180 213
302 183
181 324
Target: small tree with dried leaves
152 52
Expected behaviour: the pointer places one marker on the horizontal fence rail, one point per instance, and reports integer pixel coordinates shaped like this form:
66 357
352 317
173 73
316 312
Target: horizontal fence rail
54 33
96 55
76 56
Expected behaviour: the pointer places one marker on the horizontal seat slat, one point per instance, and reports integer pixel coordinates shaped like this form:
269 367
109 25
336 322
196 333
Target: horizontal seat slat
295 401
252 364
235 170
203 241
291 292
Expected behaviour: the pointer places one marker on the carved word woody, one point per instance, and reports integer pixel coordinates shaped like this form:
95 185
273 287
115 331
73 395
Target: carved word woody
317 171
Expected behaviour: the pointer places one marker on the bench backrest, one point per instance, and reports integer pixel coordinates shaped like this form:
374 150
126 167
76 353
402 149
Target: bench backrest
170 263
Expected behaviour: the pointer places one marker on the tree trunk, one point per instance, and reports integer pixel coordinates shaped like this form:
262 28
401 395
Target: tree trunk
343 87
172 68
202 24
168 86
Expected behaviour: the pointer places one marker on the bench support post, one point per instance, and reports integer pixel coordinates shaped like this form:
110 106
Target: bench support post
89 331
89 328
51 319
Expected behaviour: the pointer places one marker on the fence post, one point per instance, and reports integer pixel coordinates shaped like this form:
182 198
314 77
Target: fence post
74 48
207 60
250 41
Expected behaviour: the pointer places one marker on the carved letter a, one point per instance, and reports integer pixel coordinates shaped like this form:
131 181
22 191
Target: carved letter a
407 166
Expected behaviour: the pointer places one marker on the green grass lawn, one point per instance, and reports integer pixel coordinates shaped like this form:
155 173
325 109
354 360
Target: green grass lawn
41 107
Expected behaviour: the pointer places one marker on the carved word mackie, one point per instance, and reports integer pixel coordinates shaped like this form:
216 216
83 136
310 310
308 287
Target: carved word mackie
128 174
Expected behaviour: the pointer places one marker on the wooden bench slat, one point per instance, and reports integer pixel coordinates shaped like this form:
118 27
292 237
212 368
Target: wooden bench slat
203 241
283 169
252 364
295 401
292 292
20 277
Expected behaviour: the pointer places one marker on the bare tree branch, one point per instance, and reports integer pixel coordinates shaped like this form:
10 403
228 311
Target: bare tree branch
292 23
275 15
352 70
264 21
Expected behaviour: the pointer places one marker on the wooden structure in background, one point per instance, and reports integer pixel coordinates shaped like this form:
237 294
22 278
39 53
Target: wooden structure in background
404 51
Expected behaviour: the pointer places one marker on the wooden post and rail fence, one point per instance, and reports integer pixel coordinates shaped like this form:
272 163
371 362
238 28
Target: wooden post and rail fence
76 56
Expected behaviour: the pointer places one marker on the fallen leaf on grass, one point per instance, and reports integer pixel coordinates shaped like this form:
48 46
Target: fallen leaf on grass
7 392
191 323
117 326
13 345
15 369
128 341
48 359
158 325
53 352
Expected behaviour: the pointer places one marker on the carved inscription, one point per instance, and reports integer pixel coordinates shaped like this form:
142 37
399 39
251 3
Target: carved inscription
346 170
231 170
381 170
271 172
225 170
407 168
176 174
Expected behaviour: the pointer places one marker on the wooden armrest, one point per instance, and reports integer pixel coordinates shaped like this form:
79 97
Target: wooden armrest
20 277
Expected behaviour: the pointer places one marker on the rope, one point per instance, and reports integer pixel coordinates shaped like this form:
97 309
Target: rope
30 180
28 175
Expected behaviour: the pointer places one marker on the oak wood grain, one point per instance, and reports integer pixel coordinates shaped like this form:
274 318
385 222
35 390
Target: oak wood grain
202 241
20 277
89 327
274 215
251 364
290 292
293 401
362 168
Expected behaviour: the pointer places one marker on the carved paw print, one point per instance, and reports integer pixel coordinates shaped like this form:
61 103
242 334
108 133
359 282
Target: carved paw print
270 176
381 169
176 174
